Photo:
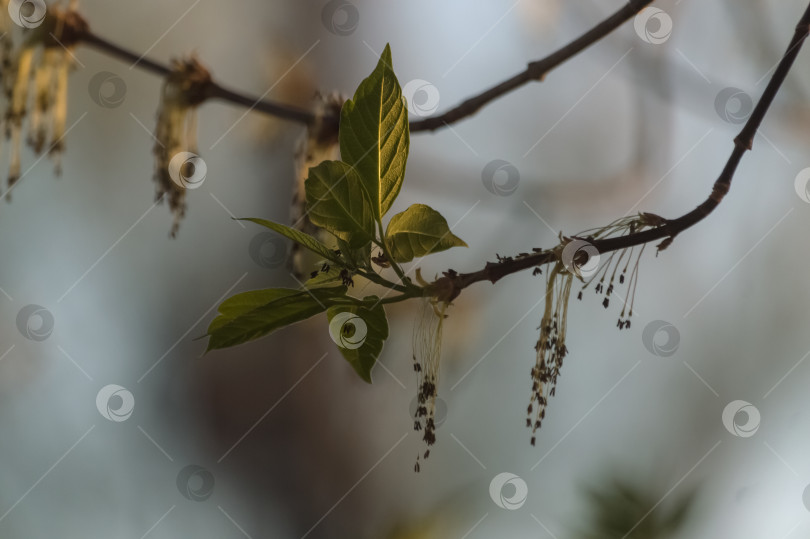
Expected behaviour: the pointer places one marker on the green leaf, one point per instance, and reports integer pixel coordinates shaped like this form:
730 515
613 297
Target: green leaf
250 315
337 202
418 231
360 333
374 135
299 237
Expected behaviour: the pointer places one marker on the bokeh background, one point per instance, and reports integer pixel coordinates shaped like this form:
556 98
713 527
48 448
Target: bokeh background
287 440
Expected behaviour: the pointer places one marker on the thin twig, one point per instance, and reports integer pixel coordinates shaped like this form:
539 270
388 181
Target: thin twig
215 90
535 71
105 46
452 284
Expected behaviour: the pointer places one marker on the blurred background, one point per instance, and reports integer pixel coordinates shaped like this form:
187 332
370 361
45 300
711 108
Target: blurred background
697 427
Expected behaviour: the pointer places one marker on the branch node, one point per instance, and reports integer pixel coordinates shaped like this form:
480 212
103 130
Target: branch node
745 142
62 28
189 81
445 289
537 70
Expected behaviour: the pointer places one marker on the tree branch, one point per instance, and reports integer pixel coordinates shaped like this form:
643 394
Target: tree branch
285 112
452 283
535 71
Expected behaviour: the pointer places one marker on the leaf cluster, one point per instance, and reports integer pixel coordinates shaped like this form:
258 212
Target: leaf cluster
348 199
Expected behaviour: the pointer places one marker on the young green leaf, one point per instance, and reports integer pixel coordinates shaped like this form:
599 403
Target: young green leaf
250 315
418 231
360 333
299 237
337 202
374 135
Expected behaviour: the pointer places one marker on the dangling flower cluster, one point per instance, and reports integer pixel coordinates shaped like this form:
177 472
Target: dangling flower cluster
35 68
550 347
6 44
578 257
427 346
175 150
632 282
620 262
318 143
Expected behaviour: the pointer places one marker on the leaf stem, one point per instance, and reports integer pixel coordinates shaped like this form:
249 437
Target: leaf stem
381 243
379 279
395 299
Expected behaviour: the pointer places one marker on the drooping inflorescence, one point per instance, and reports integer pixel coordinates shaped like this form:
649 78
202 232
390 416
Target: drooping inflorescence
36 56
550 347
578 257
620 267
177 165
427 344
318 143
